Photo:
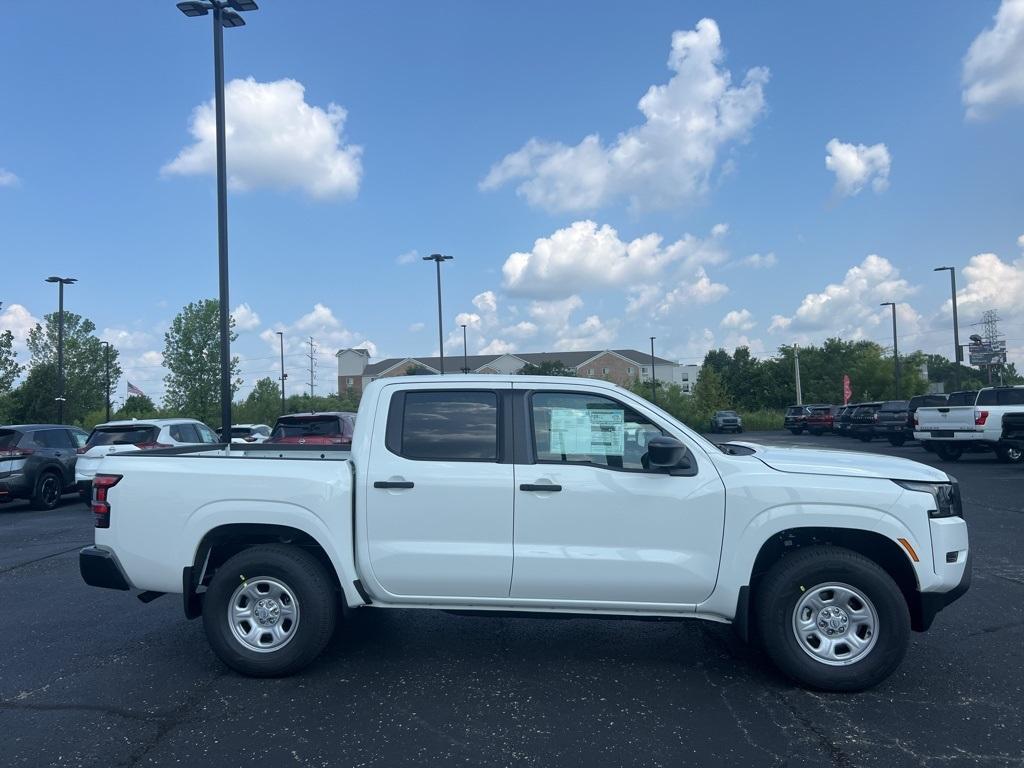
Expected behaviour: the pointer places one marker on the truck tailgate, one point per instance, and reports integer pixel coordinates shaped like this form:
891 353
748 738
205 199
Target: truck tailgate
958 418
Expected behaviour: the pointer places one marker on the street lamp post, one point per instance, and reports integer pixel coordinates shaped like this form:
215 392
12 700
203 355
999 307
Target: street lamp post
61 282
956 325
224 15
654 383
106 364
895 347
280 335
437 258
465 359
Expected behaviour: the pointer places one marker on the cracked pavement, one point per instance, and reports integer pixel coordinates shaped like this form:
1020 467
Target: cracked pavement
93 677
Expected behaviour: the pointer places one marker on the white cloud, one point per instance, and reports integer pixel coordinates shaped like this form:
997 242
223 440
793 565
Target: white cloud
524 329
417 327
408 257
856 165
700 289
468 319
850 309
151 357
486 302
123 339
329 335
993 72
8 179
19 321
667 159
497 347
991 283
555 313
245 318
274 139
741 320
592 333
761 261
584 255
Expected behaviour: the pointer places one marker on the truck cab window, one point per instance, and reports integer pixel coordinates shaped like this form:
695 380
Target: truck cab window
450 426
589 429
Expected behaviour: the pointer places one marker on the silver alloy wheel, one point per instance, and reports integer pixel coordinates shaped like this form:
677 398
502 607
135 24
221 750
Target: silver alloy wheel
49 491
1014 454
263 614
835 624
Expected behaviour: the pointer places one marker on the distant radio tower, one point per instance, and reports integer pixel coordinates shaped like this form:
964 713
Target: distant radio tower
312 365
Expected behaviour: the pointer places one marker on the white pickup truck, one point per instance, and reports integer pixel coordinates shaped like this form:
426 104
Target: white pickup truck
536 494
970 421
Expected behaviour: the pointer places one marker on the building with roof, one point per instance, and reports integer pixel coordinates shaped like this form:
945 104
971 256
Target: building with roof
622 366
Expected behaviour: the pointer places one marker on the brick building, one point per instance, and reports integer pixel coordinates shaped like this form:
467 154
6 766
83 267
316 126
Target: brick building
623 366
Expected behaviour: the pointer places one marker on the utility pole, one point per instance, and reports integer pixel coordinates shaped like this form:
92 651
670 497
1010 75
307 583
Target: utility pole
280 335
437 258
895 347
106 361
61 282
465 359
654 383
957 353
312 365
796 365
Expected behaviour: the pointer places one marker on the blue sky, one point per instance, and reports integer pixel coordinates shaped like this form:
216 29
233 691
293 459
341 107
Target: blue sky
706 215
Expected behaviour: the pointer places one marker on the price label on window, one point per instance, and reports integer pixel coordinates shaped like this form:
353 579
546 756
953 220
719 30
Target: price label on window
586 432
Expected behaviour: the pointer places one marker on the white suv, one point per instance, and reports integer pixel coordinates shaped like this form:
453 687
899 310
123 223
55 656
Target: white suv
135 435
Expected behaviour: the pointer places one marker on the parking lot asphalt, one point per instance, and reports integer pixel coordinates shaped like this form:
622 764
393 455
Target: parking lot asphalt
93 677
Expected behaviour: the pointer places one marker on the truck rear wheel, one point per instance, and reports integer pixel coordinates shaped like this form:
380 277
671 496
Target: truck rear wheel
1009 454
948 452
832 619
269 610
897 440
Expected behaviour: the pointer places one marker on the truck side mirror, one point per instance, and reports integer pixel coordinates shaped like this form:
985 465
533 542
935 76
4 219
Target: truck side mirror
664 452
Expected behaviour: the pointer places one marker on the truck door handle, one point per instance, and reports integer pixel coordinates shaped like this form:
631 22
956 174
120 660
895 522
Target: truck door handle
539 487
393 484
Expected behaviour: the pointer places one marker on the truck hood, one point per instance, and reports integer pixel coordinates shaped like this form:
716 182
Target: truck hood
813 461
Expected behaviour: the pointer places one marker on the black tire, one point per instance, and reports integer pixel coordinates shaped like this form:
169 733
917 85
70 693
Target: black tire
739 430
948 452
815 432
929 446
781 590
1009 454
865 438
314 593
796 431
897 440
48 490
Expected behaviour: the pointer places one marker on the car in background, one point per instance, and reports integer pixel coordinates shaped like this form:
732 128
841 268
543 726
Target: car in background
37 462
821 419
323 428
897 437
795 419
136 435
891 422
863 421
246 433
726 421
843 419
970 422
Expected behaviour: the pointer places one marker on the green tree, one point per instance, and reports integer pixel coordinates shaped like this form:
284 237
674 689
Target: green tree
9 371
418 370
547 368
262 405
84 369
137 407
192 355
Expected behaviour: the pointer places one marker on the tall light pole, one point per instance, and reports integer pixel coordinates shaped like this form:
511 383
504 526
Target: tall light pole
437 258
280 335
895 347
956 325
106 364
796 375
654 382
61 282
224 15
465 359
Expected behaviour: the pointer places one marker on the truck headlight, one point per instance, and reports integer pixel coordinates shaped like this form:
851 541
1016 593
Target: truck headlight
946 496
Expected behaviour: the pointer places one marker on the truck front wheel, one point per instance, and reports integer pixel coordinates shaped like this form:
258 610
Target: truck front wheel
832 619
269 610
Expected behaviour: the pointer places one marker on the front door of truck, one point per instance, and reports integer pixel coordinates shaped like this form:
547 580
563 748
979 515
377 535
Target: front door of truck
439 492
594 523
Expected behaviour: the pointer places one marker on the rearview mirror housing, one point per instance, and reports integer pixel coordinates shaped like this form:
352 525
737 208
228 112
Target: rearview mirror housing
664 452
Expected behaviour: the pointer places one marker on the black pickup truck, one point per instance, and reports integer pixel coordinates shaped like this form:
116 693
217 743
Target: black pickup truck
1013 431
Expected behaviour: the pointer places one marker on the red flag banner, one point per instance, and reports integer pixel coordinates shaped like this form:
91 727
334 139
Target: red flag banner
847 389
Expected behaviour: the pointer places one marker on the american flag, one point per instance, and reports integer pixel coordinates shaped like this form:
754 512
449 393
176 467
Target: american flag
133 390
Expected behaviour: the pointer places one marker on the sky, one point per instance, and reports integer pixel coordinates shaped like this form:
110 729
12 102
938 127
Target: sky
712 174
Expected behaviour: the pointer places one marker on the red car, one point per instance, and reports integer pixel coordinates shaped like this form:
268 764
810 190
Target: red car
326 428
820 419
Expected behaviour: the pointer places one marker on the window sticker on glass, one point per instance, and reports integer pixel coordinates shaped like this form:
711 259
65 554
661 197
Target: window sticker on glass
588 432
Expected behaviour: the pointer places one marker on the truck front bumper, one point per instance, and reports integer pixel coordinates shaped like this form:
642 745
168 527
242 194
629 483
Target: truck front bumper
99 568
930 603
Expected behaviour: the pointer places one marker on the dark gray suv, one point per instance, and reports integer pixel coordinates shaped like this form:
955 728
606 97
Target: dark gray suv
37 462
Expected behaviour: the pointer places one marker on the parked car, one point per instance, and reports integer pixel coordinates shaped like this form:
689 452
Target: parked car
891 422
965 424
1013 430
246 433
136 435
841 421
498 494
37 462
821 419
726 421
795 419
863 421
325 428
921 401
